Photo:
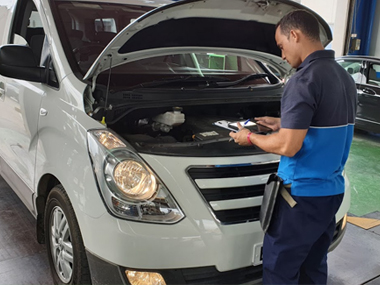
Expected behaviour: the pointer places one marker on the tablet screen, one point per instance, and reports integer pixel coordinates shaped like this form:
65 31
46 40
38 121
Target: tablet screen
252 126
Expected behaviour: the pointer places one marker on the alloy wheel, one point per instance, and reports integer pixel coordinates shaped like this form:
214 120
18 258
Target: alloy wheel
61 244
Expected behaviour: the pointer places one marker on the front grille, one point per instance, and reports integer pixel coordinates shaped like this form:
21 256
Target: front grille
233 171
241 215
233 192
232 195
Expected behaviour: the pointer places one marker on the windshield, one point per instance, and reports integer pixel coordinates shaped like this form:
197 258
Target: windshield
85 28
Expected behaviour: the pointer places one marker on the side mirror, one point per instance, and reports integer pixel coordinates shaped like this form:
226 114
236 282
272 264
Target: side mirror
17 61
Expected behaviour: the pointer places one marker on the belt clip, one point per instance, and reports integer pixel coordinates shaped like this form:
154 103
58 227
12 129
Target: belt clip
288 198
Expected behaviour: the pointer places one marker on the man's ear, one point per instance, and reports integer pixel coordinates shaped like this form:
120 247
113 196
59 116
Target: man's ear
295 35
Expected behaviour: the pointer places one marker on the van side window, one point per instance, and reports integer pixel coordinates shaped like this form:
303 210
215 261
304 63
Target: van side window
354 68
28 30
374 75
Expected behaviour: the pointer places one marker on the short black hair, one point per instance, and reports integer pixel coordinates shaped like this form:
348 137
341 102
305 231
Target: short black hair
301 20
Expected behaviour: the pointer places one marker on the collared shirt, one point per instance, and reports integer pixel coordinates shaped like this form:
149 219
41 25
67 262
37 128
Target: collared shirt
320 97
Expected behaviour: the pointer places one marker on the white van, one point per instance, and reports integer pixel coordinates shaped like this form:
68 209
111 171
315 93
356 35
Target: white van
114 120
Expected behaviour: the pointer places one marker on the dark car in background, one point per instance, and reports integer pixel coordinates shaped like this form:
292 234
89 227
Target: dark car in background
365 70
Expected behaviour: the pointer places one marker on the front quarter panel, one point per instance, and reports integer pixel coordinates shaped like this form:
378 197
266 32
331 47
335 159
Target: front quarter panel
62 148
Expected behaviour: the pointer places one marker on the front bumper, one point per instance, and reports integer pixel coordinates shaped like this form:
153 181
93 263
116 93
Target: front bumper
105 273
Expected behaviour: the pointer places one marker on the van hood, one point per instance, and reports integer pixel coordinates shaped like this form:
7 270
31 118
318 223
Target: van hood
241 26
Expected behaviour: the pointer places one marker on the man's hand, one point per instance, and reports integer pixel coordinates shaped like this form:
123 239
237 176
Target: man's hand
270 122
284 142
241 136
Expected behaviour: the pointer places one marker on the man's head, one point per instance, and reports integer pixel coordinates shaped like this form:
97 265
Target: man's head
297 35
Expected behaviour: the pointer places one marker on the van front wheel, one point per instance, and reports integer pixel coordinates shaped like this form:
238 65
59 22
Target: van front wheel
66 253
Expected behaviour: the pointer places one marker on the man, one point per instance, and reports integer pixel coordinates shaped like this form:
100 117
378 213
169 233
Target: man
314 137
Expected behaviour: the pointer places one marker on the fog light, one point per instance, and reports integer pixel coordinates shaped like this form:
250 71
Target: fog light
144 278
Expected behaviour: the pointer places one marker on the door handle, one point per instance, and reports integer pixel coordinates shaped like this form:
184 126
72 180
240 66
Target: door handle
43 112
369 91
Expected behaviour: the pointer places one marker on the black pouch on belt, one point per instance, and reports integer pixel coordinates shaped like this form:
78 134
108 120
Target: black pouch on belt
272 188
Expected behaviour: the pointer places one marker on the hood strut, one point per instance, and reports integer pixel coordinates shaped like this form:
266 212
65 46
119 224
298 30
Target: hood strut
107 91
108 82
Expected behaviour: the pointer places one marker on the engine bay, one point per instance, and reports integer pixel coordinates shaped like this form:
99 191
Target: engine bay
191 130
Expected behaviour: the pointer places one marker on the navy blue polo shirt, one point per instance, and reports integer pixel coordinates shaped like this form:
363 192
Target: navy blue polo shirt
320 97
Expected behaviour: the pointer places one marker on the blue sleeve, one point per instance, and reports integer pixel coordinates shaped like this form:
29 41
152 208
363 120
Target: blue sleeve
298 104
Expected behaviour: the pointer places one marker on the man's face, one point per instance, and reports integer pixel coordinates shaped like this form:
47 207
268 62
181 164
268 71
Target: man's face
289 48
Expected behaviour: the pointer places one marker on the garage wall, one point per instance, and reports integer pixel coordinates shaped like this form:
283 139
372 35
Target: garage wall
375 41
335 18
325 8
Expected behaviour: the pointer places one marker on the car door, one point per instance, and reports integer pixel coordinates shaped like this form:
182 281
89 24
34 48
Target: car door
369 95
19 108
356 68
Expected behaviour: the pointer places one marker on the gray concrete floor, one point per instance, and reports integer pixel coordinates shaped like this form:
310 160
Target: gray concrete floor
356 260
22 259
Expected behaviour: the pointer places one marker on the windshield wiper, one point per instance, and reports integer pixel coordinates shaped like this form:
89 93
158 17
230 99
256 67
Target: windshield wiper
183 144
182 79
207 81
241 80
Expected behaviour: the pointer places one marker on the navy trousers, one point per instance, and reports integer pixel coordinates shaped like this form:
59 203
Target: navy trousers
296 243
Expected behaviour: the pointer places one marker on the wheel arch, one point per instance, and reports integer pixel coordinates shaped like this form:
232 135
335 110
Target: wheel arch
45 185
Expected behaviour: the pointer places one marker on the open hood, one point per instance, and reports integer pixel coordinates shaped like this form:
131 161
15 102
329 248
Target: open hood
244 26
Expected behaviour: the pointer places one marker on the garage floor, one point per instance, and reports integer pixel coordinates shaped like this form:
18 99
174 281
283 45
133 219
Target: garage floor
355 261
22 259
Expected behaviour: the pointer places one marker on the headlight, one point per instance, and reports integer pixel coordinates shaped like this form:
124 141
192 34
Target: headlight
130 189
129 177
135 182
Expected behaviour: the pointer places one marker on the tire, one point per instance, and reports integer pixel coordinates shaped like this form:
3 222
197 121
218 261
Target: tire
66 253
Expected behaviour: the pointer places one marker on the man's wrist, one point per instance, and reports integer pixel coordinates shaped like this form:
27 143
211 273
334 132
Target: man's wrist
249 138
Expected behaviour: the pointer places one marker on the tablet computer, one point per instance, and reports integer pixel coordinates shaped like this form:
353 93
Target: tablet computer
250 125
